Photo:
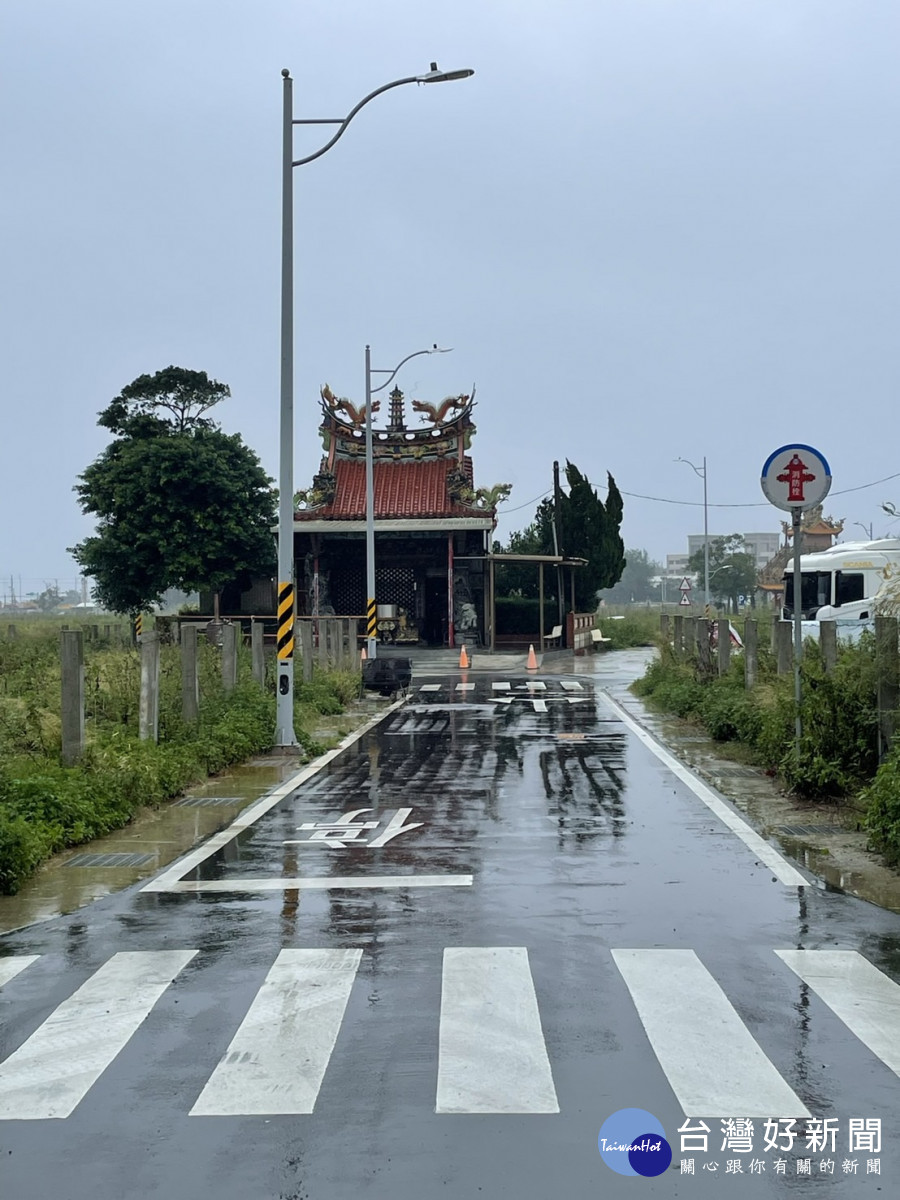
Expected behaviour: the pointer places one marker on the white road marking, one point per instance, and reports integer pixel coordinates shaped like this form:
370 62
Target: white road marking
319 883
539 705
277 1059
492 1055
53 1070
533 686
10 967
779 866
712 1062
465 687
188 862
864 998
430 687
569 686
578 699
500 687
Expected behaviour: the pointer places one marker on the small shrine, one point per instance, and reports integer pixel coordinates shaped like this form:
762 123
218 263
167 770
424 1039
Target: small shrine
432 525
817 532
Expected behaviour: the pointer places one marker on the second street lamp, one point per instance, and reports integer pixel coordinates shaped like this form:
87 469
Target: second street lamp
371 608
701 471
284 715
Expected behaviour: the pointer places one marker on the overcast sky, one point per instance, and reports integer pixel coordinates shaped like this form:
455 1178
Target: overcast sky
649 228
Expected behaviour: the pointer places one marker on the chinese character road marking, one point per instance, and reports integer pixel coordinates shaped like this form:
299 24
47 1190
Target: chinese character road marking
346 829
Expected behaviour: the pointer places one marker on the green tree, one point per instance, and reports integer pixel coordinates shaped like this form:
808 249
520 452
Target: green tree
589 529
637 582
49 598
732 570
179 503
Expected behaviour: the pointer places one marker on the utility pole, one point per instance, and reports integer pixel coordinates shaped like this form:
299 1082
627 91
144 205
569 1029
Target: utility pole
557 540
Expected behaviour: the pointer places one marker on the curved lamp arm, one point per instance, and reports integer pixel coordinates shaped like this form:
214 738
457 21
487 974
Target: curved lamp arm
415 354
432 76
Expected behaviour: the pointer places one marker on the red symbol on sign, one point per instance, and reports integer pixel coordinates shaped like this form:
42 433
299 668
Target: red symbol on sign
795 475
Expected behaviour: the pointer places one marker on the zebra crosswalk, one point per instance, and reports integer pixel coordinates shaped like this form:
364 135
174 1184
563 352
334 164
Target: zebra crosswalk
488 1038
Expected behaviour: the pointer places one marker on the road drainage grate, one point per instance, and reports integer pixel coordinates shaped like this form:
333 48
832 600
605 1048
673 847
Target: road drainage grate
808 830
110 860
206 801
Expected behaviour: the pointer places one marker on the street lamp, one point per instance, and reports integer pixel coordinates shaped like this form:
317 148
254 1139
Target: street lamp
867 529
702 473
371 612
284 719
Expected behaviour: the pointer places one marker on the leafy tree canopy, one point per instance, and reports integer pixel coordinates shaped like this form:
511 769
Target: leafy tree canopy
732 569
179 503
589 529
637 581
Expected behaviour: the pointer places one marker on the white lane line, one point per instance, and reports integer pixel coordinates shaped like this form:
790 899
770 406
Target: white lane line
10 967
578 699
277 1059
188 862
568 686
500 687
713 1064
320 883
53 1070
864 998
430 687
539 705
465 687
492 1055
532 686
761 849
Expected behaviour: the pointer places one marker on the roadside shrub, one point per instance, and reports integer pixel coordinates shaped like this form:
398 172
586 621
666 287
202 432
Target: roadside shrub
637 629
882 801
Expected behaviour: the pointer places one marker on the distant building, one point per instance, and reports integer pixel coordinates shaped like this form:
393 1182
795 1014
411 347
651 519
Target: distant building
761 545
677 564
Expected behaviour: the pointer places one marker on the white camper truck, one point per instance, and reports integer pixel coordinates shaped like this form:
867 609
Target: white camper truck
847 582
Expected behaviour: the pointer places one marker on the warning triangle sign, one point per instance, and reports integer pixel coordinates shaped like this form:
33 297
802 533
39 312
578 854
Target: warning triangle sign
685 585
685 600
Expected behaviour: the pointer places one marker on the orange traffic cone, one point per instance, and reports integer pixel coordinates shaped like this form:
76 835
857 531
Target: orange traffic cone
531 665
463 657
362 655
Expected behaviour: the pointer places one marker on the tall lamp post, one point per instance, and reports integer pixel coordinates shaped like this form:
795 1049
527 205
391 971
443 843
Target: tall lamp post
371 612
284 716
867 529
701 471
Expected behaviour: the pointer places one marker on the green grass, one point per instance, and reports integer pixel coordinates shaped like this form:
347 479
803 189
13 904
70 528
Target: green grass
45 807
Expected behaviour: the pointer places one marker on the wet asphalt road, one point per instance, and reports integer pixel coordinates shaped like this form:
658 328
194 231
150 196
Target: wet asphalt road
448 992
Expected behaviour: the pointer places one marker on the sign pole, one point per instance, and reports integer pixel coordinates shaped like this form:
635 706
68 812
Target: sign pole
796 478
796 517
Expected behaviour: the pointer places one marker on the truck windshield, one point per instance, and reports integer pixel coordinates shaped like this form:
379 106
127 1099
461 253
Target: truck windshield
815 591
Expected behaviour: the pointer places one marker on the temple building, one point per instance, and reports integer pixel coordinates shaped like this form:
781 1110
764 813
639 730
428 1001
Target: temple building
432 526
816 533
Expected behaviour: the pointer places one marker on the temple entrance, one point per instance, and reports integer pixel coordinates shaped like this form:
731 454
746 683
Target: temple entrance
434 628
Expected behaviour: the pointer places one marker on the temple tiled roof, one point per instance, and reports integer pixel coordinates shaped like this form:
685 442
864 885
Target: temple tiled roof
402 489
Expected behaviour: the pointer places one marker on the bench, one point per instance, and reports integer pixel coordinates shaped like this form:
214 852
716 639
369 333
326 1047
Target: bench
598 641
554 637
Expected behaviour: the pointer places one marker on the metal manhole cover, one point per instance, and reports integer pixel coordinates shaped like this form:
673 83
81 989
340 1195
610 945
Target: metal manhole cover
111 860
205 801
808 830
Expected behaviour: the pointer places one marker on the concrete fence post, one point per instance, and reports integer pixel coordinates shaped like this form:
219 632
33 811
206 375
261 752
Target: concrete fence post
148 715
190 676
887 666
229 657
257 652
71 651
704 655
690 638
723 639
751 653
828 644
324 630
306 649
783 638
664 631
678 635
11 633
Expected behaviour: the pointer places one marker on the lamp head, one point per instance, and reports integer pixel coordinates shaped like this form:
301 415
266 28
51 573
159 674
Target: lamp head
436 349
437 76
